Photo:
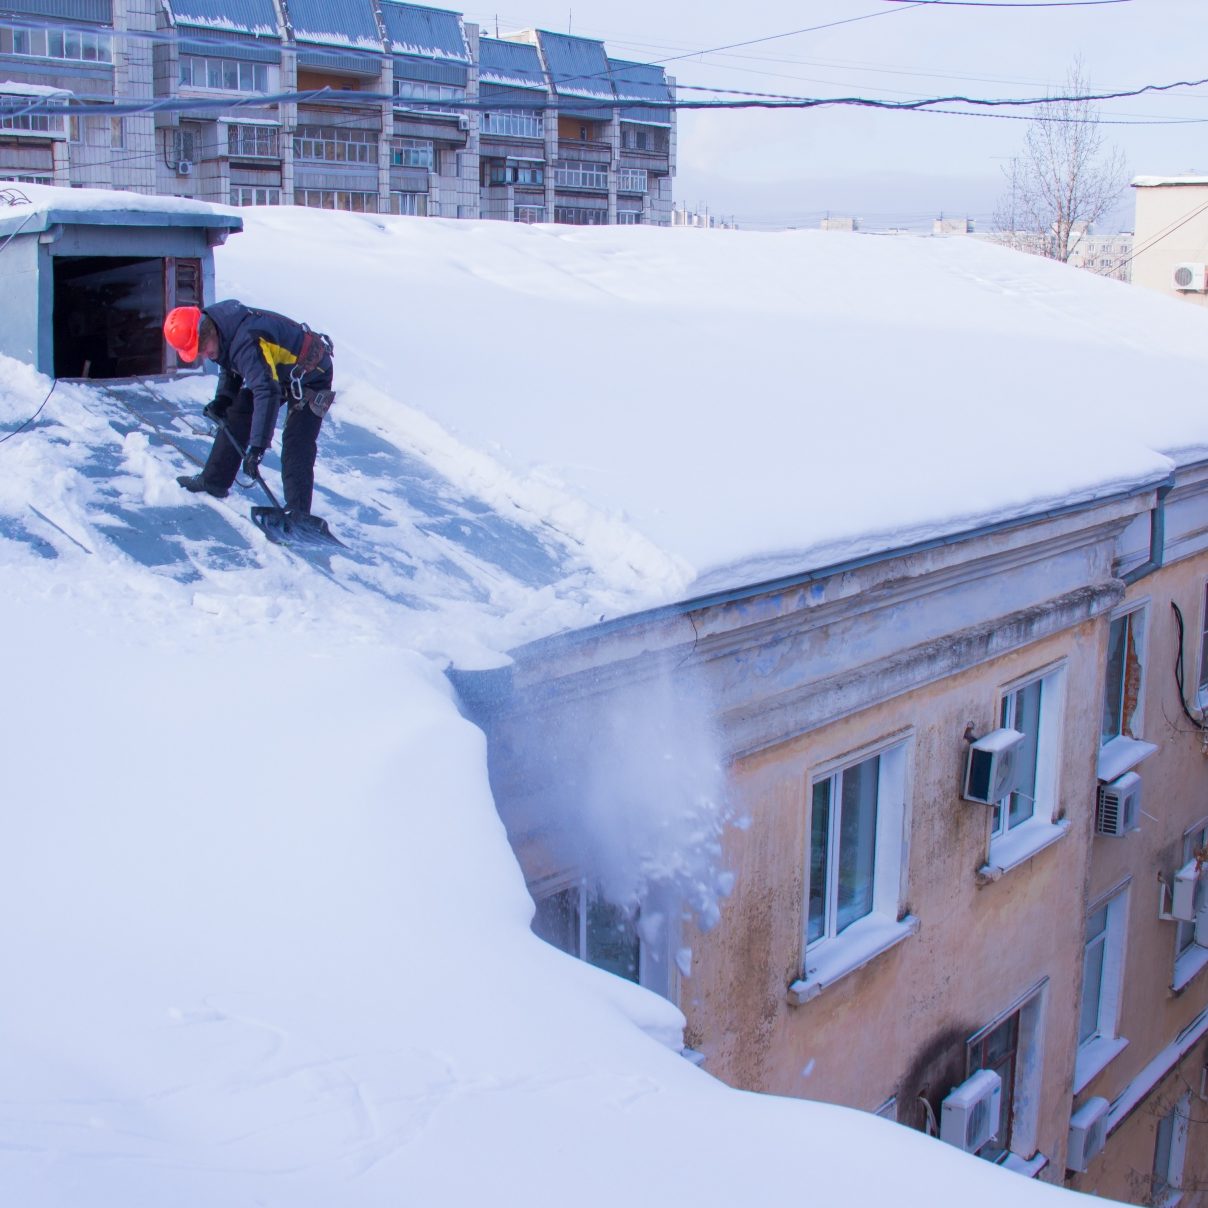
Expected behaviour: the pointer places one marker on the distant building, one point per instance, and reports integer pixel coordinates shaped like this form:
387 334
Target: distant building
681 216
1172 236
1106 255
839 222
415 113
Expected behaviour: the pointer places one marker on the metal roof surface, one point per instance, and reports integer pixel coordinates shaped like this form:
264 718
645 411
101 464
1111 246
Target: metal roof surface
235 16
577 66
639 81
335 23
28 221
429 32
98 11
516 64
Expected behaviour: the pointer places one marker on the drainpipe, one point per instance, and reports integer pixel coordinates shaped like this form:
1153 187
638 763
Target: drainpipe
1157 536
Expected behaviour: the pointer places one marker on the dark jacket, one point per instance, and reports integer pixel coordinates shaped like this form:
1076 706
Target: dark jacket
257 349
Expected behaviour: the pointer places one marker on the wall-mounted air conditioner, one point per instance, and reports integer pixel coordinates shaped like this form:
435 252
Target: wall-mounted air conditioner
1119 805
1190 276
969 1115
1183 896
1088 1132
992 770
463 122
184 167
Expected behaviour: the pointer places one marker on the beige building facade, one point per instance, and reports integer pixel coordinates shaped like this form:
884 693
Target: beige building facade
1170 252
887 941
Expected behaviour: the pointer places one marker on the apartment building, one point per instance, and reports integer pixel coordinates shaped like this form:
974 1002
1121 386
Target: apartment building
1006 951
365 105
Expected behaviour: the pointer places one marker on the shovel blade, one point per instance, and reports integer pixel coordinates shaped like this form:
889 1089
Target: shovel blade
282 527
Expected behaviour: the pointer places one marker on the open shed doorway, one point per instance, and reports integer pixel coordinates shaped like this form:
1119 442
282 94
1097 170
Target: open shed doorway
109 312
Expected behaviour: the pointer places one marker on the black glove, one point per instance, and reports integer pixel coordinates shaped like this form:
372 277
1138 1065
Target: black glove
251 461
217 408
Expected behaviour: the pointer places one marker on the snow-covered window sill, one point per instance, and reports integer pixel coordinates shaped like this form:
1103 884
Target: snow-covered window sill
1095 1056
1028 1167
863 941
1020 845
1188 965
1121 755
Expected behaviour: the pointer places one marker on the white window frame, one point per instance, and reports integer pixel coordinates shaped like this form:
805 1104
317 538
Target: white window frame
1136 617
633 180
517 123
64 43
255 195
1029 1069
1104 1043
1201 694
1009 846
1189 957
656 967
413 153
245 74
1174 1125
839 952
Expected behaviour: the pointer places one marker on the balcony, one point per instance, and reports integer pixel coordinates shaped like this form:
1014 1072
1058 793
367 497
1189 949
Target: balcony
253 142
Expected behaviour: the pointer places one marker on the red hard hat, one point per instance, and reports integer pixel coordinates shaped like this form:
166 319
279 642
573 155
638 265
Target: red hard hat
180 330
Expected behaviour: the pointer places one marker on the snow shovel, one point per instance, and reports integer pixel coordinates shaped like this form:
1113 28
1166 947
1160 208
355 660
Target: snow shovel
278 525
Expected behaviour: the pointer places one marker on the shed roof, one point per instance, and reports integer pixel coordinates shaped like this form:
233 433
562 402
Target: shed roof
433 33
577 66
512 64
256 17
335 23
48 206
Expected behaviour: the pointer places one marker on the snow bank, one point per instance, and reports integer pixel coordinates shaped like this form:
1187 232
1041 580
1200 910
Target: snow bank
266 942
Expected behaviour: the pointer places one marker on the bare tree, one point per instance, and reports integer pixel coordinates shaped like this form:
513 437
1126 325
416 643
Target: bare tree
1065 180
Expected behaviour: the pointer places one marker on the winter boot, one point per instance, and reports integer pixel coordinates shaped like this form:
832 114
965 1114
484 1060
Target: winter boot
196 483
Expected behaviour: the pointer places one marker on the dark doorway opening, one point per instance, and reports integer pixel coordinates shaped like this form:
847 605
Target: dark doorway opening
108 312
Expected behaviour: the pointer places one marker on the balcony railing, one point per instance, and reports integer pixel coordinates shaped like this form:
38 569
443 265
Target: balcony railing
582 176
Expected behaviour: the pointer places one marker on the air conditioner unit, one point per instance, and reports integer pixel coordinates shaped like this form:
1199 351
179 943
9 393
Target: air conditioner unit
463 122
992 769
1183 898
1119 805
1088 1132
1191 276
969 1115
184 167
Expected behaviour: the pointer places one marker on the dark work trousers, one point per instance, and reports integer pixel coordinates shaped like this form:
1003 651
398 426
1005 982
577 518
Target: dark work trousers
299 447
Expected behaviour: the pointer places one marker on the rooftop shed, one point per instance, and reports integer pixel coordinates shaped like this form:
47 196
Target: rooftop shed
86 277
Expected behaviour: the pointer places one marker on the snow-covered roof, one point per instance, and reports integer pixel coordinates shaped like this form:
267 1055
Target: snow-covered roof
769 403
509 64
273 946
19 88
1153 182
431 33
105 207
256 17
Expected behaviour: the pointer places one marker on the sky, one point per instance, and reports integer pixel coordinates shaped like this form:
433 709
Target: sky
893 169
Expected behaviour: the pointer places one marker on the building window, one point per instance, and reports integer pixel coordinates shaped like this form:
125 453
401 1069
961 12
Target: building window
632 180
337 199
1202 694
530 214
413 153
409 203
1122 690
1011 1047
1170 1148
853 865
629 218
35 123
518 123
184 145
117 133
77 45
579 921
254 195
1033 708
579 216
253 142
1102 987
223 75
1190 957
336 144
529 172
574 175
430 98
